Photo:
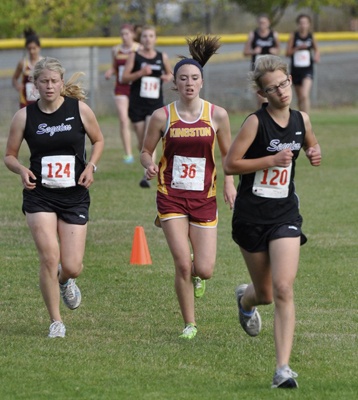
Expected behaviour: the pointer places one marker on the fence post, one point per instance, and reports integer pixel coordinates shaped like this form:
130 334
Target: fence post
92 77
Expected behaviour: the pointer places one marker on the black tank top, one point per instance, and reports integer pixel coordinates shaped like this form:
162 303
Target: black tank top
270 139
298 41
137 98
60 133
265 42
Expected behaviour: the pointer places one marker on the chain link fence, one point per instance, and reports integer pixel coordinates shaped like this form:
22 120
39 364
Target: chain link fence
225 78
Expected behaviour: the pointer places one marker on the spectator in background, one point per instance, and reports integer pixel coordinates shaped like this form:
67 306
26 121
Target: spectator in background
147 69
303 50
25 87
263 40
120 54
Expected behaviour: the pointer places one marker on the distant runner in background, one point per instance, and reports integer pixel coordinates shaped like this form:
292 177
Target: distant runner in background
25 87
120 54
147 69
263 40
303 50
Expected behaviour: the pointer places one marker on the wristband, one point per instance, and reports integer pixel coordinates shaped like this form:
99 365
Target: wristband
94 166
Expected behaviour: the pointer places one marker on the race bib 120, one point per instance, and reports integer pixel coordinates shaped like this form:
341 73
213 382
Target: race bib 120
272 182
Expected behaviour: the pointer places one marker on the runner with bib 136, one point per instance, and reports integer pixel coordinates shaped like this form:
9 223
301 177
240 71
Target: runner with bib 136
146 69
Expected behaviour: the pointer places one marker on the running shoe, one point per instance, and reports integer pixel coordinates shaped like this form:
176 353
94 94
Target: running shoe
57 329
284 378
189 332
250 322
71 294
128 159
144 183
199 286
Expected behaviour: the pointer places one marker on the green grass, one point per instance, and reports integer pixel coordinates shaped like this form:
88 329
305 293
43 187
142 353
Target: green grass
122 343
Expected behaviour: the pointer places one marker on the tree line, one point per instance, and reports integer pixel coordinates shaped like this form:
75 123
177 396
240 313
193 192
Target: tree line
80 18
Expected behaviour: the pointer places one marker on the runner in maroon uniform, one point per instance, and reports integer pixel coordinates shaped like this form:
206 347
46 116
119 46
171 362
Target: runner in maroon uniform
55 196
266 221
120 54
186 197
27 91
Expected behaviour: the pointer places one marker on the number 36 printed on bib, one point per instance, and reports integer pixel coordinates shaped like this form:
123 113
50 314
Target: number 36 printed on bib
188 173
58 171
272 182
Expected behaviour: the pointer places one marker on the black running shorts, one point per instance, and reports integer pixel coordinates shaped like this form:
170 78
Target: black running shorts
256 237
72 208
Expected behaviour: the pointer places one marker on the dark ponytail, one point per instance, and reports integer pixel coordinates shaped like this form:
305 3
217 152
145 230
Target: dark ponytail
31 37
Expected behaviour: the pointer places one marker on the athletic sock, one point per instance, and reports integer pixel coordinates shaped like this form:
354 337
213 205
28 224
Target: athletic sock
247 313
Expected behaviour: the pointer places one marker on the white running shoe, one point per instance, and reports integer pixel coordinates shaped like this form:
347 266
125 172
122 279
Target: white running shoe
57 329
284 378
71 294
250 324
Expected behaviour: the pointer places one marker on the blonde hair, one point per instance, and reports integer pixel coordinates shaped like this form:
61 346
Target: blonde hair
148 28
266 64
71 88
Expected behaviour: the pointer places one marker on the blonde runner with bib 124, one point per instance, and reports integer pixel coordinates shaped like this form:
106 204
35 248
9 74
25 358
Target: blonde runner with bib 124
56 184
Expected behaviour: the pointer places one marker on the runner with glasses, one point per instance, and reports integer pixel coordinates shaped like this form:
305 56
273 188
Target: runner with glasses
282 85
266 221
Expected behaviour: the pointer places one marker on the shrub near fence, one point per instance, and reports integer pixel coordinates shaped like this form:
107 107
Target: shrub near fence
225 75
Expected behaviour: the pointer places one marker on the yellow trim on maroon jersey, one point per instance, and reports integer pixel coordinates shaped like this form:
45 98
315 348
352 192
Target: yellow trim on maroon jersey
171 131
166 217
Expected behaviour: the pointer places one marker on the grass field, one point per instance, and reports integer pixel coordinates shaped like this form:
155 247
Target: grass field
122 343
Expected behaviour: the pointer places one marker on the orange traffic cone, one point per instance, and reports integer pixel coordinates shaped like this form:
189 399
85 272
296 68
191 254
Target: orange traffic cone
140 252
